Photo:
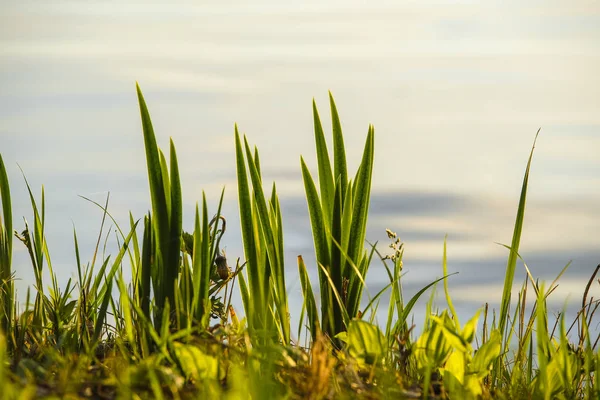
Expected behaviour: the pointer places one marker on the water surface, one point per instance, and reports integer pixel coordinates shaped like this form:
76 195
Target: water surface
456 92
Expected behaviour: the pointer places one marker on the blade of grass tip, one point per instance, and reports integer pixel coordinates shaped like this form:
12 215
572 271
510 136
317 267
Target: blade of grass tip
275 263
215 244
324 165
374 299
446 291
166 180
316 216
197 270
205 258
176 220
37 231
245 205
156 170
120 255
136 246
261 206
276 221
257 160
512 259
584 301
78 261
361 199
340 169
277 227
106 213
411 303
554 283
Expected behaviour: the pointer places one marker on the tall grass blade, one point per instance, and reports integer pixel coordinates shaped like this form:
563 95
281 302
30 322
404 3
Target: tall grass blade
309 299
6 278
512 261
326 178
340 169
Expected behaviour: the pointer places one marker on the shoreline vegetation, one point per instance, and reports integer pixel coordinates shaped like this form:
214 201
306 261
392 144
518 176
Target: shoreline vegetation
172 333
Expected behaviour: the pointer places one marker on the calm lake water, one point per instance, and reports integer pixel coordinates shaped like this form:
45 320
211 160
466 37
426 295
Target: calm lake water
456 92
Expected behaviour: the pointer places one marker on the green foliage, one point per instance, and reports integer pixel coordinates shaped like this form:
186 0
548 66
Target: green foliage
265 296
365 342
153 337
511 265
165 192
338 217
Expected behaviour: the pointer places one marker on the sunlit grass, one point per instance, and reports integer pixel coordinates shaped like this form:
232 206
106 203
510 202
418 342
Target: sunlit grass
171 331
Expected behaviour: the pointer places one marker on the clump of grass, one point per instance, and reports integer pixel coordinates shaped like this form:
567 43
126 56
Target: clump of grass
264 296
172 333
338 217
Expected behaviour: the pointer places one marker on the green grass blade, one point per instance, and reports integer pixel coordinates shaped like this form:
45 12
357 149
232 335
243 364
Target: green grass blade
176 222
446 291
376 297
411 303
336 238
160 210
512 261
6 282
146 266
316 215
340 169
513 256
361 199
7 213
101 316
202 260
336 294
309 299
346 227
325 175
269 223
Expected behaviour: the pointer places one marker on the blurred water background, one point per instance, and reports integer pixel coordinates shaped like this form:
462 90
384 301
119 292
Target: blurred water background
456 92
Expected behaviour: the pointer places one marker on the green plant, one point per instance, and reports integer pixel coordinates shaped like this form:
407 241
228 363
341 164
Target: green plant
166 218
264 295
155 337
510 269
338 217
